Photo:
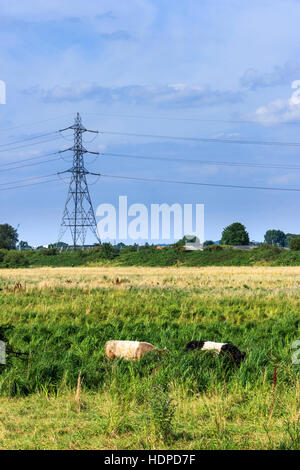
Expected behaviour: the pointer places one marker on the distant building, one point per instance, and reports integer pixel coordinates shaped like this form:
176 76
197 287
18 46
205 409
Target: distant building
244 247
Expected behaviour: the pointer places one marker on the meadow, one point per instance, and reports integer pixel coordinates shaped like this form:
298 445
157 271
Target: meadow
65 394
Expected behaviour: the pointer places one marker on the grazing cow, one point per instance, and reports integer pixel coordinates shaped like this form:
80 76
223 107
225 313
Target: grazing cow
128 349
224 348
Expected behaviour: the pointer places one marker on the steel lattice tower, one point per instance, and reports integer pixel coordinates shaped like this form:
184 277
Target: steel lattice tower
78 213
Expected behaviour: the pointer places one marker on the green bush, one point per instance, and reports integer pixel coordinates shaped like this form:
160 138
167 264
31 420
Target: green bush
2 255
212 255
163 411
295 244
264 247
208 243
213 248
15 259
108 251
49 251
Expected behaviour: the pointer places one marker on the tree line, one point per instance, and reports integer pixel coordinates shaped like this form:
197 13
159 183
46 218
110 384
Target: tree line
234 234
237 235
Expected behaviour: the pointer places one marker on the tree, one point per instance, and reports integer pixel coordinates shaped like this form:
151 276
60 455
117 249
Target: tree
120 246
235 234
23 246
275 237
108 251
295 244
289 237
60 246
8 237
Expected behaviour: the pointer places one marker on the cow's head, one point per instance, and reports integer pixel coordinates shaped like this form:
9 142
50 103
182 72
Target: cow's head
234 353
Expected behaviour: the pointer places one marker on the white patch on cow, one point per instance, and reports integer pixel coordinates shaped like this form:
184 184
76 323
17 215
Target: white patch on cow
211 345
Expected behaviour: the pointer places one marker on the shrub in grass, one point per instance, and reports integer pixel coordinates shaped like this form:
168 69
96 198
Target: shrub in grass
162 411
295 244
15 259
213 248
2 254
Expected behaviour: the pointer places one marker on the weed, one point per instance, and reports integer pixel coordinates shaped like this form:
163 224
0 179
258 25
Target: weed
163 411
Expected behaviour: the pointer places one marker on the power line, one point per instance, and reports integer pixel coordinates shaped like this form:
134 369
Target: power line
159 158
202 139
169 118
143 157
202 162
28 138
139 116
196 183
30 184
34 123
79 150
28 159
29 164
29 145
28 179
157 180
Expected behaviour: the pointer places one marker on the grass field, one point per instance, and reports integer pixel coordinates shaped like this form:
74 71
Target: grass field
67 395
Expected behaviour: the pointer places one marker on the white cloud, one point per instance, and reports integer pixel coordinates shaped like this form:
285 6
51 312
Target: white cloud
281 110
278 111
180 95
101 14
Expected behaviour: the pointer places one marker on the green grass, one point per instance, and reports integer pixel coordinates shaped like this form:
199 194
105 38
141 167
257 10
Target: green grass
151 256
216 405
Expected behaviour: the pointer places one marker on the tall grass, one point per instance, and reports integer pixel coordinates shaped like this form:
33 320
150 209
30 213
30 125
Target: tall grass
63 328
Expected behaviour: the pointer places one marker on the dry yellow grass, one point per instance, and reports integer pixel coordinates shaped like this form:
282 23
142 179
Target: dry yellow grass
123 277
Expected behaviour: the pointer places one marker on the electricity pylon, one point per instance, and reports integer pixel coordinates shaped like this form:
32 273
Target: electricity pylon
78 213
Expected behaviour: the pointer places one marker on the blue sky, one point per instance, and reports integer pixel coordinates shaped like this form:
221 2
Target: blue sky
153 67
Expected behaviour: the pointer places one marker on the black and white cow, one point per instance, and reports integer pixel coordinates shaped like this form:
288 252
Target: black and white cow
221 348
